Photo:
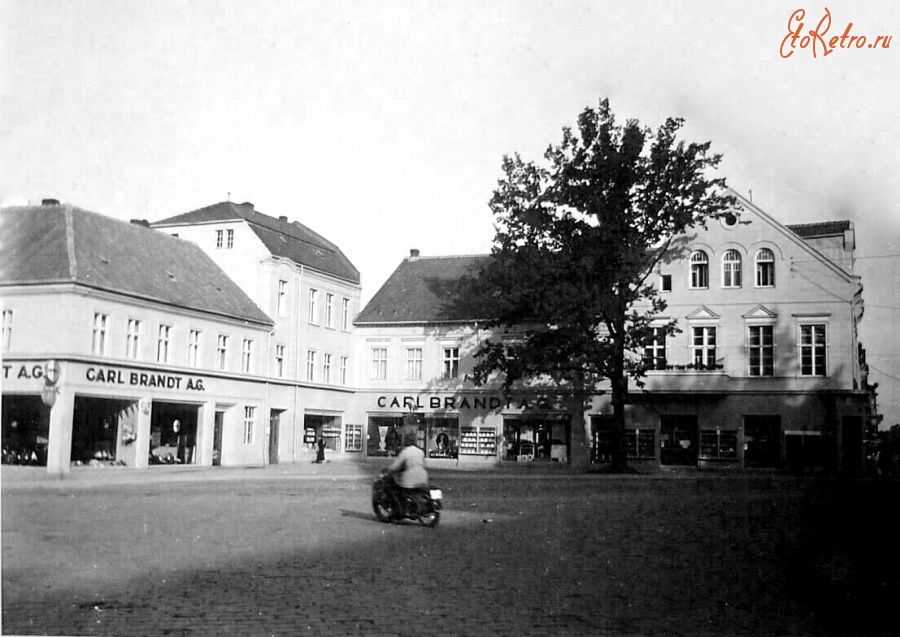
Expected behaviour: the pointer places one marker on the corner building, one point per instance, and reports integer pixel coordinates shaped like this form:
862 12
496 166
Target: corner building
124 346
311 291
766 370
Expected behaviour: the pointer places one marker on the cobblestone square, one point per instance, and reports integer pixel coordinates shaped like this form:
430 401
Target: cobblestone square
276 552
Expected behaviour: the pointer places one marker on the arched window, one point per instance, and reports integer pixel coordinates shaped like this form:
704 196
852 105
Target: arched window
731 269
699 270
765 268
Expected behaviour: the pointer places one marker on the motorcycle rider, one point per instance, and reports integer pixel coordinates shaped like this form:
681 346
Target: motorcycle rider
410 465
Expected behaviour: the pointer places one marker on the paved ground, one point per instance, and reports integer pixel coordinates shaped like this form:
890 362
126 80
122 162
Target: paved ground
295 550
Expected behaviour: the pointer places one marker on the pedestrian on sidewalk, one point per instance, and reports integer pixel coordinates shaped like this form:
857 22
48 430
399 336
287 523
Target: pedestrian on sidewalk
320 450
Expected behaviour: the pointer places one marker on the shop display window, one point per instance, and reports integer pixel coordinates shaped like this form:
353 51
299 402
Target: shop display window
442 437
353 438
718 445
384 437
640 443
477 441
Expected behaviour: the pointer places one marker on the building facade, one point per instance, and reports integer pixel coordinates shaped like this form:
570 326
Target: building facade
764 372
311 291
124 346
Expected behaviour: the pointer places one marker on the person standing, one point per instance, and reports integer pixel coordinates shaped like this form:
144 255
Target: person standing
320 450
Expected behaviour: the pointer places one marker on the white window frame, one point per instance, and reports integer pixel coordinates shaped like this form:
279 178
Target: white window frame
759 371
222 352
100 341
329 310
229 239
163 351
345 314
378 357
195 340
449 361
249 424
313 306
414 362
279 360
326 368
311 365
770 266
656 346
343 370
247 356
813 346
707 352
732 266
281 306
699 261
220 239
133 339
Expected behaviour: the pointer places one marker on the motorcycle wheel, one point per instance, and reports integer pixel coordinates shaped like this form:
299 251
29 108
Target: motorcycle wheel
382 512
430 519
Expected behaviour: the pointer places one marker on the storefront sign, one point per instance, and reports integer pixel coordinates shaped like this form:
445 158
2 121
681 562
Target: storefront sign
459 403
27 370
112 376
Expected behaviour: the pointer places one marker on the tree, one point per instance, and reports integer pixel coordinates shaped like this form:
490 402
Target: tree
576 239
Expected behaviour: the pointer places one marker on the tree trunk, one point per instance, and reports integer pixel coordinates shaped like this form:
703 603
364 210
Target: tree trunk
580 444
619 384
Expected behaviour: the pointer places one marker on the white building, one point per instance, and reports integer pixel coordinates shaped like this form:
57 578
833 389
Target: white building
311 291
765 372
124 346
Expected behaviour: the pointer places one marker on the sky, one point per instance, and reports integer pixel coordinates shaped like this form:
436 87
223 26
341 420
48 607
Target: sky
382 125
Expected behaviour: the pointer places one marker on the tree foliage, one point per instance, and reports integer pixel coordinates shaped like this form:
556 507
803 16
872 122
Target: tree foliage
577 238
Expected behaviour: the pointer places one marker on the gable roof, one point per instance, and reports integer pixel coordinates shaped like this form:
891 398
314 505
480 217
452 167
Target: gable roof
50 244
282 238
418 291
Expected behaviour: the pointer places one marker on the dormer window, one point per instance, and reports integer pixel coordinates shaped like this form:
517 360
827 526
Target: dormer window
699 270
731 269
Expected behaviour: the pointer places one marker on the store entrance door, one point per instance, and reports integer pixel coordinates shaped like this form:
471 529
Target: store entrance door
274 427
678 440
173 433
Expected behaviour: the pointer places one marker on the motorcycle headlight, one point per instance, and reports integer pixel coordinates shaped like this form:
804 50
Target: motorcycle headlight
436 494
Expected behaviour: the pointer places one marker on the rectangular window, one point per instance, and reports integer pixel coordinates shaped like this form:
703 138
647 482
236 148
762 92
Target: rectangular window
249 424
194 348
665 282
343 371
378 370
345 315
279 361
221 351
329 310
162 344
281 303
133 339
247 356
655 350
451 362
311 365
762 350
219 240
101 325
716 444
414 363
313 307
326 368
7 329
353 438
229 239
704 347
640 443
812 350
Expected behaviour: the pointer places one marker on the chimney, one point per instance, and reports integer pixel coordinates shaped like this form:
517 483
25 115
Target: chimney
282 218
49 202
248 204
414 253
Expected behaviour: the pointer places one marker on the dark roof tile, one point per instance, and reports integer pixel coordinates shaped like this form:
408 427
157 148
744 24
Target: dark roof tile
65 244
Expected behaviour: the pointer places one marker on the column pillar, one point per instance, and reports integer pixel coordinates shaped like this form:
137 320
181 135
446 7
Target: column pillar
59 445
206 425
142 442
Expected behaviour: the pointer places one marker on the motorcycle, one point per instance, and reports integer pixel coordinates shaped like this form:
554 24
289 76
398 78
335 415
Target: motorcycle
393 504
